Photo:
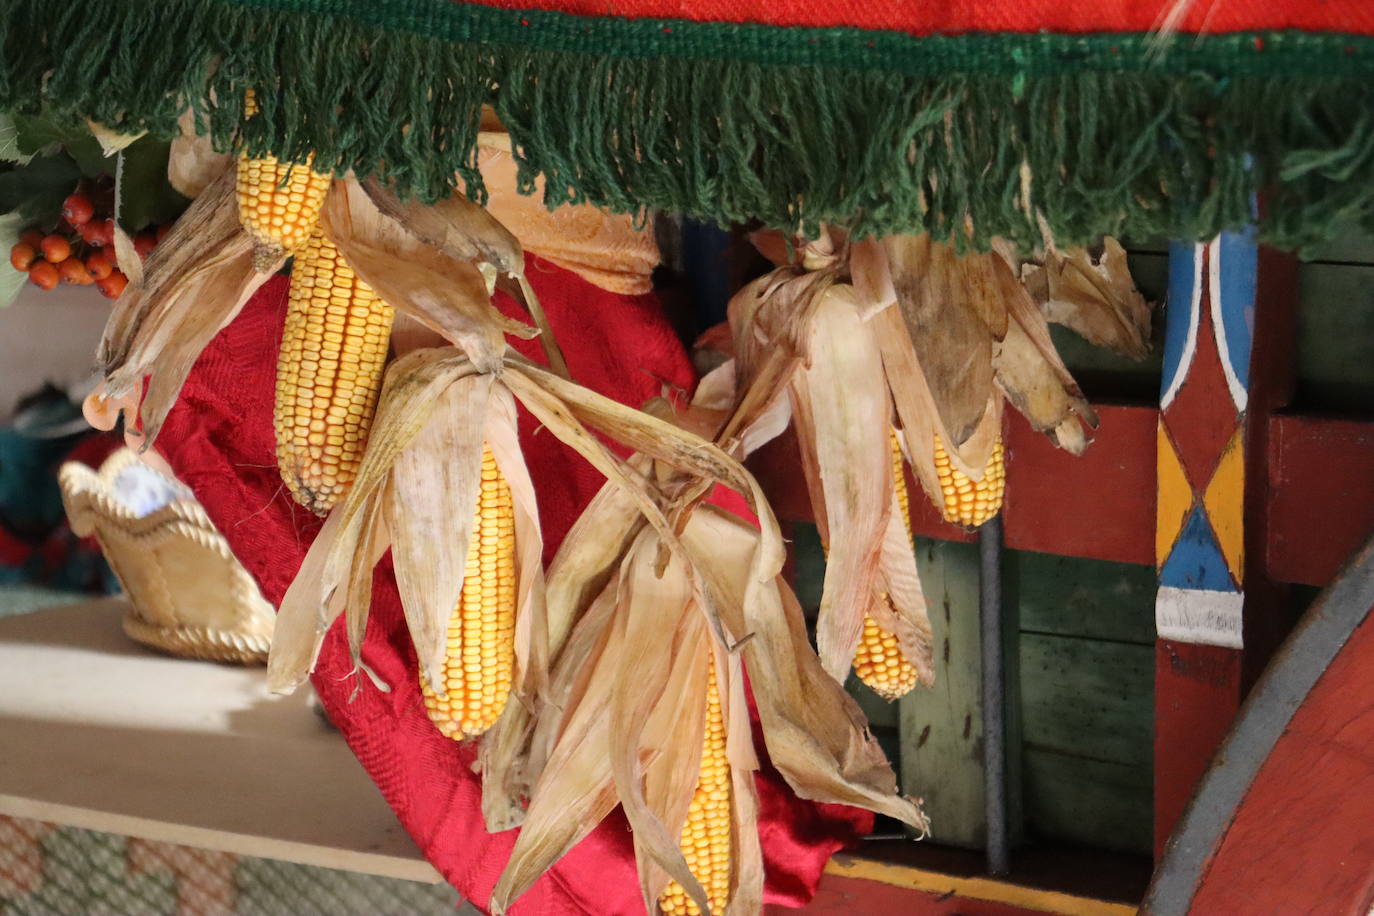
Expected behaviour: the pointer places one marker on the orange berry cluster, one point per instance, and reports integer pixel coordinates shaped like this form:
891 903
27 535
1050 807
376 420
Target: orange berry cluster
83 255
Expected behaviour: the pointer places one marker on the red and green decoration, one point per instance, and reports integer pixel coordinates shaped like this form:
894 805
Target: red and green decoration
995 118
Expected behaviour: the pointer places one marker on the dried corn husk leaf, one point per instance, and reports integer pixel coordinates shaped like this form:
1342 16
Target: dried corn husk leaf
459 228
306 614
900 607
411 391
653 607
816 735
1094 297
946 306
435 483
1031 373
194 283
532 657
193 163
577 789
841 404
660 440
445 295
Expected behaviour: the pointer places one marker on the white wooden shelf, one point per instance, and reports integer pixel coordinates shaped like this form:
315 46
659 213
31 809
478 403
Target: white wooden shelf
100 733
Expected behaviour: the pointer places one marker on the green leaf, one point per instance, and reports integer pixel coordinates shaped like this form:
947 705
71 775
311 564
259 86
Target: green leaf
40 135
145 197
35 191
9 141
11 280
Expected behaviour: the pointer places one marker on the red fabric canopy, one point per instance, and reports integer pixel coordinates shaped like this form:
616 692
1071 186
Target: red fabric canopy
219 439
926 17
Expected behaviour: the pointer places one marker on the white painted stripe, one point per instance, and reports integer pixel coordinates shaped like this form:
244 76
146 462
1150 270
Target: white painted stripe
1239 396
1197 616
1185 360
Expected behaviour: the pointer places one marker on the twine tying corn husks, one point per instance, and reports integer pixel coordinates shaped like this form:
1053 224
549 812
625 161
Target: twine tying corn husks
618 676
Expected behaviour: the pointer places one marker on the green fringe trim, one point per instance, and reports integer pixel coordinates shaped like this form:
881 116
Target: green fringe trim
733 123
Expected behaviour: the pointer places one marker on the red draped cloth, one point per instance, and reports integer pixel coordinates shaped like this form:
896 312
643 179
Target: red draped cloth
219 439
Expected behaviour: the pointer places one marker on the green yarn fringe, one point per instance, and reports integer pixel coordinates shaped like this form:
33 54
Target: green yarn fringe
732 123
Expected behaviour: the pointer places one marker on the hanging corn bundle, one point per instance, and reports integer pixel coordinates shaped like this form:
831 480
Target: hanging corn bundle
360 242
901 339
646 705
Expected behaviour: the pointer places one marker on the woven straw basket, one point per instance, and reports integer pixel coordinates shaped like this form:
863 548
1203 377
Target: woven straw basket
188 594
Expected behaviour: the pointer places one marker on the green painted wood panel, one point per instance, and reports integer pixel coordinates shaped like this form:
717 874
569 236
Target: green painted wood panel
941 727
1094 802
1087 697
1335 345
1068 596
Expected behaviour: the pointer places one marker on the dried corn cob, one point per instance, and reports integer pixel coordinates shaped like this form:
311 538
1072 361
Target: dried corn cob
481 631
705 839
877 660
329 372
279 203
967 502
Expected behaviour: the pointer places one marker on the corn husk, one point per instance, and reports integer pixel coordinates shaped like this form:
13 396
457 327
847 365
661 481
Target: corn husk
637 651
1094 296
192 163
809 341
193 284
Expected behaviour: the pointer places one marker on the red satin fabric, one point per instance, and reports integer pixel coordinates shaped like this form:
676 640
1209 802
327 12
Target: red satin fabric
219 439
926 17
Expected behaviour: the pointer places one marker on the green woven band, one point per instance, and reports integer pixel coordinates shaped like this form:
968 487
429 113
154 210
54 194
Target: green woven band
790 126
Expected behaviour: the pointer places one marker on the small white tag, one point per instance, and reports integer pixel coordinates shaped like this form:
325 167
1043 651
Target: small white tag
1197 616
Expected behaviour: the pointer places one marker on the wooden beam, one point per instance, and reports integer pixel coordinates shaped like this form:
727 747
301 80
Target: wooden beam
1200 510
855 885
1321 496
1099 505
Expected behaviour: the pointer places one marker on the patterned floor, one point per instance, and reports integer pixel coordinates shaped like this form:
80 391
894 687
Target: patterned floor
47 870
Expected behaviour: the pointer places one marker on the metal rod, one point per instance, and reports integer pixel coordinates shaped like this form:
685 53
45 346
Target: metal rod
994 696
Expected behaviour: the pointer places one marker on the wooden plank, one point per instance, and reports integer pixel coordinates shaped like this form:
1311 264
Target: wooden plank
855 885
1099 803
941 727
180 751
1197 693
1088 698
1321 496
1335 339
1099 505
1072 596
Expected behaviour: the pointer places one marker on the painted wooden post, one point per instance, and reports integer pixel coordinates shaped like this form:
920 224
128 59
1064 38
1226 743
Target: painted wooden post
1199 525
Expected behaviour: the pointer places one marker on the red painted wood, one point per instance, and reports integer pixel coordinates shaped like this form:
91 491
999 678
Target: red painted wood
1303 838
1268 612
1321 495
1197 693
1100 505
1202 417
839 896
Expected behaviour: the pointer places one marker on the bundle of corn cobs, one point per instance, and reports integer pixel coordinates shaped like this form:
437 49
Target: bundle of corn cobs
616 676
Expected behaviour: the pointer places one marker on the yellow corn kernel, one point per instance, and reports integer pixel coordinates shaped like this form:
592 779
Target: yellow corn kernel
705 840
329 372
279 206
481 630
878 661
966 502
